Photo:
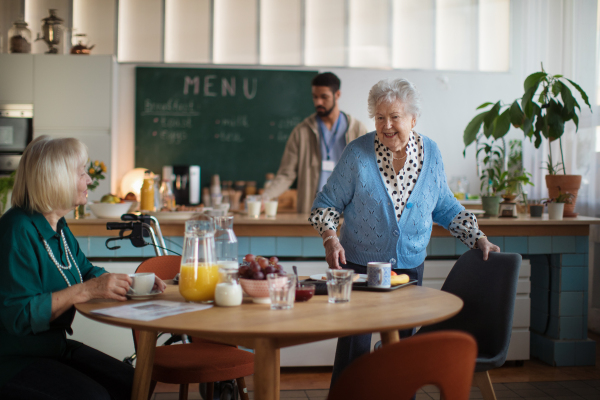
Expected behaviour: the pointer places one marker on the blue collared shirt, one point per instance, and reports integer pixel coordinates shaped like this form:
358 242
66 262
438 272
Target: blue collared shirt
333 143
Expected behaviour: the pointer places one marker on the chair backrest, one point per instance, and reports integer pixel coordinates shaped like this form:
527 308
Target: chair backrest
488 290
165 267
396 371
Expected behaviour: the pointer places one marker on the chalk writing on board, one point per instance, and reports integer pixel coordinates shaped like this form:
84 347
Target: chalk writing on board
212 87
239 121
172 137
171 107
287 123
282 136
230 137
170 122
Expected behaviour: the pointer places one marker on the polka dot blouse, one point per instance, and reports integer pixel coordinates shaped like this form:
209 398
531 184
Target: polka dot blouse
399 186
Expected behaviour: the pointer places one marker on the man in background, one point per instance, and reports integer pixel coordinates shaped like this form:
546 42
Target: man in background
316 144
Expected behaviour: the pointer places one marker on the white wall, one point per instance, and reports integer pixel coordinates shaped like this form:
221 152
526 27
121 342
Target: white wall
449 102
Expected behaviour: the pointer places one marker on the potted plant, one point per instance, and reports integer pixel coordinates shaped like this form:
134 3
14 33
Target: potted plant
496 177
6 185
539 114
536 208
556 204
491 177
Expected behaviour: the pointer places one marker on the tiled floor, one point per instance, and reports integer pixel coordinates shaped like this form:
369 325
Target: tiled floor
565 390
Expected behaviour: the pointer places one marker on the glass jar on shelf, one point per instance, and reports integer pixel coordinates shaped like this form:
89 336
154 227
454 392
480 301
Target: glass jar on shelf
19 38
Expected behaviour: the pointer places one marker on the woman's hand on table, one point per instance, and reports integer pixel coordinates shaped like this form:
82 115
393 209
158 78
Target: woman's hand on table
108 286
486 246
334 252
159 285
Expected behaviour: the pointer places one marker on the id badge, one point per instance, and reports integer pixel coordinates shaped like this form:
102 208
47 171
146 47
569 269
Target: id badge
327 165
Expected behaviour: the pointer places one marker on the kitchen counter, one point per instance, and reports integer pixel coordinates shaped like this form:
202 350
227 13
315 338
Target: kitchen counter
296 225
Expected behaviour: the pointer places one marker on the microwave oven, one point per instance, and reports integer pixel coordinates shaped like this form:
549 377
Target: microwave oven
16 127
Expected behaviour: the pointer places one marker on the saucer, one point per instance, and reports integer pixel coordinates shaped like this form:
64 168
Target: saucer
142 296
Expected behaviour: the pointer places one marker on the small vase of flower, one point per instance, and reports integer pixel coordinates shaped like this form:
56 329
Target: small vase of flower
96 171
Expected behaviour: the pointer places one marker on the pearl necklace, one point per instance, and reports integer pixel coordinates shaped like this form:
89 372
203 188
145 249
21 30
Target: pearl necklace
401 158
59 265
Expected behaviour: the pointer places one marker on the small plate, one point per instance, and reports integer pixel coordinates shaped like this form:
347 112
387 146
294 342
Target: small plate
142 296
323 277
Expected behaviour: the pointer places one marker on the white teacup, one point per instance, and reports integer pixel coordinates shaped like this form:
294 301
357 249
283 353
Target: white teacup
142 283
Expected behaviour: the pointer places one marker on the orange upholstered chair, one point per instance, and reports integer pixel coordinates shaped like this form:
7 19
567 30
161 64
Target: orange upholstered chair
396 371
197 362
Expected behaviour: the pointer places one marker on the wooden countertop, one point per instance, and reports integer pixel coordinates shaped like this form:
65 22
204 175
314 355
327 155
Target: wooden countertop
297 225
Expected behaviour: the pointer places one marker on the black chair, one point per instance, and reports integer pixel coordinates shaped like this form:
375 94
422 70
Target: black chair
488 290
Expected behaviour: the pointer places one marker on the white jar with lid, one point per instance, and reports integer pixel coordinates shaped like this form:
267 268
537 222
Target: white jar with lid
228 292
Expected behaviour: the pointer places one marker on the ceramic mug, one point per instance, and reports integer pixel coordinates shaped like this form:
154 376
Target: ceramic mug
142 283
379 274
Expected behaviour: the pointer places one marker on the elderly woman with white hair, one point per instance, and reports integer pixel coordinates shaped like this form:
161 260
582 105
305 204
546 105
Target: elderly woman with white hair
391 187
43 273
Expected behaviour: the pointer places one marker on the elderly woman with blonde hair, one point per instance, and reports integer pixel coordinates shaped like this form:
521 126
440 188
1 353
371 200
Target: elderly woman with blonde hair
43 273
391 186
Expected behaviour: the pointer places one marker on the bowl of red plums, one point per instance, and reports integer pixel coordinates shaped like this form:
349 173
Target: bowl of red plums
253 276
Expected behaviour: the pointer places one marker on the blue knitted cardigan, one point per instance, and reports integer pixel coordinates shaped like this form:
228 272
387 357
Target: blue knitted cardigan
371 231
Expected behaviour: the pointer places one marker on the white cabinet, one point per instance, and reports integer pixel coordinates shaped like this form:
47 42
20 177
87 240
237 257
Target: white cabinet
16 78
72 91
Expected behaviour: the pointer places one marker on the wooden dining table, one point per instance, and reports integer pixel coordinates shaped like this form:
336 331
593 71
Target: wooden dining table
257 327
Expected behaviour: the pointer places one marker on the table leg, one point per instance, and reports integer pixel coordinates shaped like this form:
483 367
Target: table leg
142 376
266 370
389 337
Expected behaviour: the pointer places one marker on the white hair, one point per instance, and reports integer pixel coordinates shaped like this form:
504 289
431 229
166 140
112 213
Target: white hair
46 179
390 90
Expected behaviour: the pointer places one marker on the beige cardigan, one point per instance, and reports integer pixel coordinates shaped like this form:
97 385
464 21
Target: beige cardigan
302 160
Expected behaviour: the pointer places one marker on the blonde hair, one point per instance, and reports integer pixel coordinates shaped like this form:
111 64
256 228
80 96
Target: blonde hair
46 179
389 90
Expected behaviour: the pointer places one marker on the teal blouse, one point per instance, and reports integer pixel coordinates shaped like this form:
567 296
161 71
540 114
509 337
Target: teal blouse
28 277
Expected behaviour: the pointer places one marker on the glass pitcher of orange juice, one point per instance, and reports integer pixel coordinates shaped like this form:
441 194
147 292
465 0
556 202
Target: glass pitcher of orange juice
199 273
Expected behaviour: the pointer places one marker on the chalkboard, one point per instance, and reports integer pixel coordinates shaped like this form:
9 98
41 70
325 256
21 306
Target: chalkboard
230 122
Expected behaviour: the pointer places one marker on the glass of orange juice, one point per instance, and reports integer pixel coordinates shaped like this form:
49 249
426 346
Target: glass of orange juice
199 273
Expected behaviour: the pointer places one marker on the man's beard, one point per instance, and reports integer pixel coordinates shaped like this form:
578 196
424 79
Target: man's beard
322 112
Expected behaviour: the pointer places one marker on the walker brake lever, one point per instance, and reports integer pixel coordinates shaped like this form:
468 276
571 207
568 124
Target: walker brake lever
136 236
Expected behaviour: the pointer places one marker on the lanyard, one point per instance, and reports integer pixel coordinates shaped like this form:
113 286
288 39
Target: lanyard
335 131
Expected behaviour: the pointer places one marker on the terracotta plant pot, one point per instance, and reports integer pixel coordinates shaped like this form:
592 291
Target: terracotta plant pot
567 183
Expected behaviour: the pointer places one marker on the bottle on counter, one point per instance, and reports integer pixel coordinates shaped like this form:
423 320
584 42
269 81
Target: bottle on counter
250 188
167 199
268 180
226 192
206 197
215 191
147 192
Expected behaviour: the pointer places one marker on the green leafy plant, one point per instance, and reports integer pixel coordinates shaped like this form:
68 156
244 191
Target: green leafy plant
6 185
498 178
96 171
565 197
538 113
